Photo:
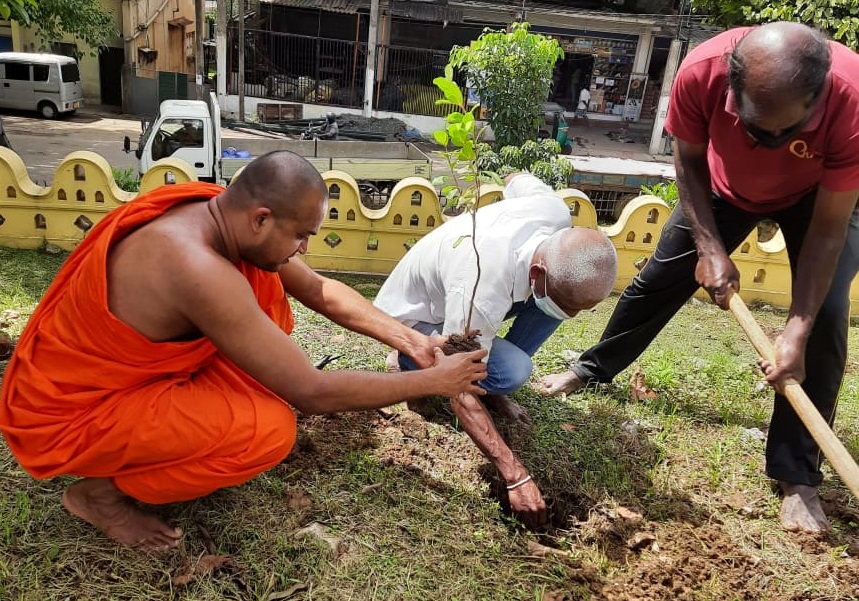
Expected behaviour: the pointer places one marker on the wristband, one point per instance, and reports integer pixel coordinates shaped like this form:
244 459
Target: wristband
524 480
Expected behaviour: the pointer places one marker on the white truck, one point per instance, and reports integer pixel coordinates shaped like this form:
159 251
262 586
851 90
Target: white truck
191 130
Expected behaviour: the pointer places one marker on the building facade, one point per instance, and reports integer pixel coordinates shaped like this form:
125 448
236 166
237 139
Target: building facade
153 54
618 57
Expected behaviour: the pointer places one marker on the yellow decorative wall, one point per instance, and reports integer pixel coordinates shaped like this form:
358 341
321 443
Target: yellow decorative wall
82 192
582 210
167 171
352 237
355 238
635 235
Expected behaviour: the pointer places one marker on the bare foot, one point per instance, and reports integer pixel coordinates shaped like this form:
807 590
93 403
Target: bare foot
559 383
392 362
801 509
508 409
98 502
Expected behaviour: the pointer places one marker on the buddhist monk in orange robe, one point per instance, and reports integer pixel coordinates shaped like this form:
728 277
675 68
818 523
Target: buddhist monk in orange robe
159 366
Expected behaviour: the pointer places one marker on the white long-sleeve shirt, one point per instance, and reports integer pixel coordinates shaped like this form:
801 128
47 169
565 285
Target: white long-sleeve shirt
434 281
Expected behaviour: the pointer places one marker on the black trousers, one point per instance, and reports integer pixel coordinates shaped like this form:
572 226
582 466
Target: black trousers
668 280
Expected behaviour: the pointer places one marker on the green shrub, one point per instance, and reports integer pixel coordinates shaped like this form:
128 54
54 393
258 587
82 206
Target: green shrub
540 158
126 179
667 191
511 71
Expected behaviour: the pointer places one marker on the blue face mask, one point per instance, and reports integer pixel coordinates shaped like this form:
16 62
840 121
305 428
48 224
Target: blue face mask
548 306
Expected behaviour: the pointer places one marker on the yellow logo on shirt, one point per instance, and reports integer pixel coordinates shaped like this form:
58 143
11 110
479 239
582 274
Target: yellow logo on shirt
800 149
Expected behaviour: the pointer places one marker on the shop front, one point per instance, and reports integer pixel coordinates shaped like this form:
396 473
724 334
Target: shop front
602 65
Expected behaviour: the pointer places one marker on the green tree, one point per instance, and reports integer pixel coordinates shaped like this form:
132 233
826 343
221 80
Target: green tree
16 10
839 17
85 20
511 71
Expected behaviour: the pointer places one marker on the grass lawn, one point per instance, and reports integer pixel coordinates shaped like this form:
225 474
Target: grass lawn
657 499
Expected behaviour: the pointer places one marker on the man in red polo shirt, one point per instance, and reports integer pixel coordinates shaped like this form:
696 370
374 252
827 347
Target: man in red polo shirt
766 126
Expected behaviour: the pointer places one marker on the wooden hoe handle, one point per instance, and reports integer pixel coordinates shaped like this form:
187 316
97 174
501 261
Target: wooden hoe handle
832 448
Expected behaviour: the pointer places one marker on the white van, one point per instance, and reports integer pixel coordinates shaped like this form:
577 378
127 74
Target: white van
48 83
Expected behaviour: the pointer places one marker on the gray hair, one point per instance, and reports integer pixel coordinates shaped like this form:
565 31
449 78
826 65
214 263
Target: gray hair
582 261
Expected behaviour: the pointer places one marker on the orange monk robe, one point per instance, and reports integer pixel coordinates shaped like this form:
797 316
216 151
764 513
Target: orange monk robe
85 394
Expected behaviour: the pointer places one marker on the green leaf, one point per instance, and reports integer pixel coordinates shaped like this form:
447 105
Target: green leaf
448 191
455 117
466 153
440 180
450 89
444 102
460 240
458 135
53 553
448 71
441 137
493 177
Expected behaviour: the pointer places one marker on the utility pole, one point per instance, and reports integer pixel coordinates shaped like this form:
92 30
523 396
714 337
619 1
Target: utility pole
221 49
370 73
241 43
671 66
201 56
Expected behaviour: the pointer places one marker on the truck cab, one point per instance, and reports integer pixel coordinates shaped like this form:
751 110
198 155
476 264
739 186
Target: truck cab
183 129
191 130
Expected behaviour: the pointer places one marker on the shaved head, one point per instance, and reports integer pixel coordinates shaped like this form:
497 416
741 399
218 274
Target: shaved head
279 180
777 63
272 209
581 263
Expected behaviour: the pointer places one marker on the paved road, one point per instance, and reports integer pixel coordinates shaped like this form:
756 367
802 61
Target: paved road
42 143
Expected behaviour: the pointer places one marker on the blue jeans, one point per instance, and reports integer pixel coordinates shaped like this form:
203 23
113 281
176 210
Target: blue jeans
509 364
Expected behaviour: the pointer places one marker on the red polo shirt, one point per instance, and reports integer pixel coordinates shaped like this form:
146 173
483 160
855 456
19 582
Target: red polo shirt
748 175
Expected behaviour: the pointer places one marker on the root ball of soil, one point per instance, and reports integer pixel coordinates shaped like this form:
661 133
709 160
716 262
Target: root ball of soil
461 343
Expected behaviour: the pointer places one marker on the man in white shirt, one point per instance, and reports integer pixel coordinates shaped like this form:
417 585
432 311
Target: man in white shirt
584 101
534 267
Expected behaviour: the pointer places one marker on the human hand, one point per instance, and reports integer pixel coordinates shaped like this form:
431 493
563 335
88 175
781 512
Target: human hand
718 275
790 363
527 504
459 372
423 353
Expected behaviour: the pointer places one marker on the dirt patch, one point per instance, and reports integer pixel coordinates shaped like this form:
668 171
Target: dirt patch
645 559
680 562
428 448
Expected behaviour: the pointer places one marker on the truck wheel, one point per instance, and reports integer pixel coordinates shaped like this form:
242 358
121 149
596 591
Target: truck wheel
48 110
371 196
618 207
